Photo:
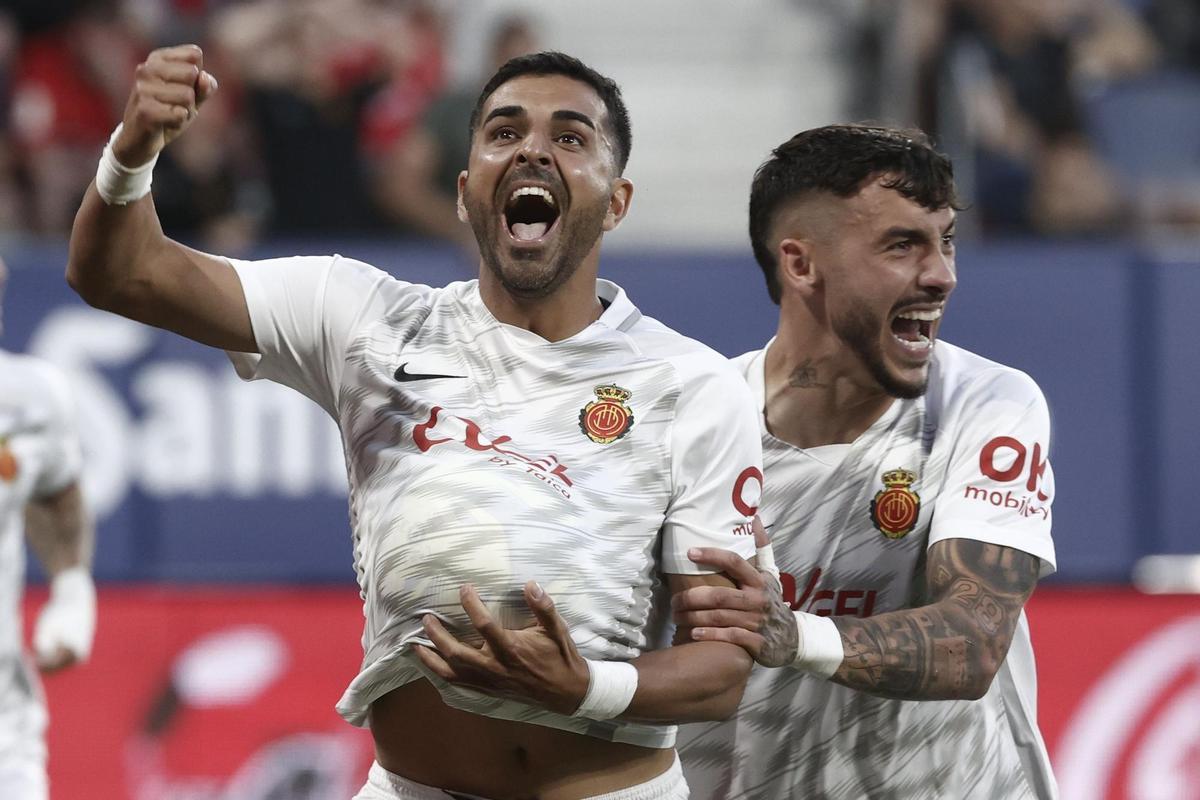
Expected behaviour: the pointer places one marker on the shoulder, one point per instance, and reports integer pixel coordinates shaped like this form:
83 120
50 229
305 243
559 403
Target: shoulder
745 362
960 378
696 365
31 372
34 383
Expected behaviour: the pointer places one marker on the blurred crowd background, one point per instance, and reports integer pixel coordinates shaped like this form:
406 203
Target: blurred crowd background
228 615
347 117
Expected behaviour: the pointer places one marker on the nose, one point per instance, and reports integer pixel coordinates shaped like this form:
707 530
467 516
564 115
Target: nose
535 150
939 273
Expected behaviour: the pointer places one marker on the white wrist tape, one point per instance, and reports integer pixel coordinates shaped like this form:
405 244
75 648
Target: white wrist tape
610 689
69 618
820 651
118 184
764 558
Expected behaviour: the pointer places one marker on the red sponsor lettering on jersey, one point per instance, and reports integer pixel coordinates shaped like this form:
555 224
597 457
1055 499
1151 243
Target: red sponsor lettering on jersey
1007 444
827 602
750 478
547 469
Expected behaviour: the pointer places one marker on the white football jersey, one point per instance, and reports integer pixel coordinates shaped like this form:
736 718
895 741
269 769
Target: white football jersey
851 525
39 456
481 453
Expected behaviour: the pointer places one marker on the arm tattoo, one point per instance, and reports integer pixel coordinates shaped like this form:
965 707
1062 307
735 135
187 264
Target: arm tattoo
804 376
952 647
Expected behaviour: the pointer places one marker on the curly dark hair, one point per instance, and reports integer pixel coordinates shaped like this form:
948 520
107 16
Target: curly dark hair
841 160
555 63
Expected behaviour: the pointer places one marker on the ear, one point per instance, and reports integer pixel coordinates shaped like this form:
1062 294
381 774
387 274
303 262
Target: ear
797 268
618 203
460 205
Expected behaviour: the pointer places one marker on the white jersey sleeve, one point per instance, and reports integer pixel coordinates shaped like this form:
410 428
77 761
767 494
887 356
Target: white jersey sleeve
63 456
305 312
716 469
999 485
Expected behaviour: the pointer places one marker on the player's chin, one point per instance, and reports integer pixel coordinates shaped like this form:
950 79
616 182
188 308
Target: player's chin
908 383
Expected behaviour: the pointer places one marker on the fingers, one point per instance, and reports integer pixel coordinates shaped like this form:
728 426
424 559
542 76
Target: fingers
739 570
435 663
454 652
720 618
700 598
547 615
481 618
750 642
185 53
206 85
760 533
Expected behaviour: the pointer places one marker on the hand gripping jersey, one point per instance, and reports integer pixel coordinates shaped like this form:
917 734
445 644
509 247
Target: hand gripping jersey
39 456
481 453
850 525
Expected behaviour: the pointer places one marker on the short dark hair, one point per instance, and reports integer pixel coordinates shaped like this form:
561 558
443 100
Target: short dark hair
841 160
555 63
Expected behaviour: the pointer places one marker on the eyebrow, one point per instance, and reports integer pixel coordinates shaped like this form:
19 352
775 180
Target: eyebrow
505 111
574 115
519 111
897 232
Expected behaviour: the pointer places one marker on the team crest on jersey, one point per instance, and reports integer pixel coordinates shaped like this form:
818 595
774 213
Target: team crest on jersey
895 508
607 418
8 462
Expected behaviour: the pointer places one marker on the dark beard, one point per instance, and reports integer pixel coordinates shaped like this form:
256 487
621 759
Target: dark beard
860 331
576 239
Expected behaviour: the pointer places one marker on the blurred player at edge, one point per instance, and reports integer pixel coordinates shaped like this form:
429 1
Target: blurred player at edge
39 494
528 427
909 507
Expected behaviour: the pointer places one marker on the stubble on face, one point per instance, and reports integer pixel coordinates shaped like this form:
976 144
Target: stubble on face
861 330
526 273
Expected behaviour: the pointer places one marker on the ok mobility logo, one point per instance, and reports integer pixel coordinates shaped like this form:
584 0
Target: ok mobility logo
1003 459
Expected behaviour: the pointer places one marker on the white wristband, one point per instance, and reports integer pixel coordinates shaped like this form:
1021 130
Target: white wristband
820 651
610 689
69 618
117 184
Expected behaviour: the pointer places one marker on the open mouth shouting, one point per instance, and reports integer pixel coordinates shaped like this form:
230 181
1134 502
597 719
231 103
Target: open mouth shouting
531 215
914 330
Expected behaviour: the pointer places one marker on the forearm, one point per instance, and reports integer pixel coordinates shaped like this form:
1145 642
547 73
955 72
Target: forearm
927 653
113 251
693 682
59 531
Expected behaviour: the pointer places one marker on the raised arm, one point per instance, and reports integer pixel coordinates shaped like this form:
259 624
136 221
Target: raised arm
119 258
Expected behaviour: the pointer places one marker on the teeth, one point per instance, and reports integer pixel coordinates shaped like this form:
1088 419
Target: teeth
921 342
923 316
537 191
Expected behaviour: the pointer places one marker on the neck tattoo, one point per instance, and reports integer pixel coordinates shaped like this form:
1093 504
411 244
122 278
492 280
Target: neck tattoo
805 376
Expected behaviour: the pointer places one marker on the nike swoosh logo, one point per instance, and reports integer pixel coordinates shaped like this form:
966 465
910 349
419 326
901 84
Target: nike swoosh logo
403 375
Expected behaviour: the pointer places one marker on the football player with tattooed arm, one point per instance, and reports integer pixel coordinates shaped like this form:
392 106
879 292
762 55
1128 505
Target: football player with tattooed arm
908 505
523 435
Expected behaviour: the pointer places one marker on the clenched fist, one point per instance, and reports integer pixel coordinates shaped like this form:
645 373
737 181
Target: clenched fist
169 87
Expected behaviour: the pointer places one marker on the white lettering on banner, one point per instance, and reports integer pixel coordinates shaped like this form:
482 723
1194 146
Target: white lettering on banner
192 428
1110 724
